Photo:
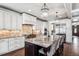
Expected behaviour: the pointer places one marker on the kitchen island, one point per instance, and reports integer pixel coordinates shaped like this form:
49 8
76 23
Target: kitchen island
37 41
32 45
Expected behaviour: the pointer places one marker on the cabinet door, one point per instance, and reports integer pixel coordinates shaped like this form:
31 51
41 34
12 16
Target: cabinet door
31 49
14 21
7 20
16 43
20 42
12 45
19 22
1 19
3 46
27 19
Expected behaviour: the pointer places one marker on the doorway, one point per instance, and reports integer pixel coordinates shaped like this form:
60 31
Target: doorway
75 30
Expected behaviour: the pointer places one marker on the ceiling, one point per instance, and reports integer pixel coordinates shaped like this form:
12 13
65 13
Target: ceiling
63 9
75 9
75 6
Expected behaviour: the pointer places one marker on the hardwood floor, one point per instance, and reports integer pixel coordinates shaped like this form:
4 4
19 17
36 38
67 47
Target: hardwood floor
69 49
73 48
20 52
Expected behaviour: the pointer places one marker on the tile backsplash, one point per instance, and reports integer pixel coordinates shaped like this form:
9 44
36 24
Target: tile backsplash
27 29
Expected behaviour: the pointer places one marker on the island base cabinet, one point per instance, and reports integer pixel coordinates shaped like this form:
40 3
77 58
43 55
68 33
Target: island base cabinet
31 49
3 46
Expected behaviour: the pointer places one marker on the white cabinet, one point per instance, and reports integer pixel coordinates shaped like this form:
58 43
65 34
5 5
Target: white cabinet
3 46
28 19
16 43
39 25
1 19
12 45
19 22
7 20
19 42
25 18
22 41
14 21
33 20
10 19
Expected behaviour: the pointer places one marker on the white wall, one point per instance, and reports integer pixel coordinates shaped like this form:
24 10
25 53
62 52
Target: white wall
69 31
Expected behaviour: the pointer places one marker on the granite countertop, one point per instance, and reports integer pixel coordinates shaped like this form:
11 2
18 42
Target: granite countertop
42 41
5 37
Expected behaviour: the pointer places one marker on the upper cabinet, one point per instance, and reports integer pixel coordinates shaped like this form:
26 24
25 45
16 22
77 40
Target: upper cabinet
28 19
7 20
19 21
14 21
10 20
1 19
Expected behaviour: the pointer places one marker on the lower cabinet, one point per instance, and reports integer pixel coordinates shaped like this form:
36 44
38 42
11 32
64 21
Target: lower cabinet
3 46
16 43
31 49
19 42
11 44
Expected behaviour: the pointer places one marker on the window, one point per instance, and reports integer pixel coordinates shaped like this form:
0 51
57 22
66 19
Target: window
60 28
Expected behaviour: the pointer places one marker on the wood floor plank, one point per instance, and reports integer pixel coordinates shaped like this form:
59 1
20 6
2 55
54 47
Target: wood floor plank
20 52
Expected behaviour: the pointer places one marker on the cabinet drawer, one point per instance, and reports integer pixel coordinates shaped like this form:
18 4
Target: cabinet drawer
12 44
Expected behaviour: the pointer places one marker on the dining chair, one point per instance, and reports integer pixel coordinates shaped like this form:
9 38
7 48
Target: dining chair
61 45
62 40
52 50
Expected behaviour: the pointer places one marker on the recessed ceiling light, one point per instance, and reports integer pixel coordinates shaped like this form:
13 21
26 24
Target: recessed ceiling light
29 10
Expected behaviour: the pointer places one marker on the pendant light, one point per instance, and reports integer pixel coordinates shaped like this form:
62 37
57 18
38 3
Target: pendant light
44 10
